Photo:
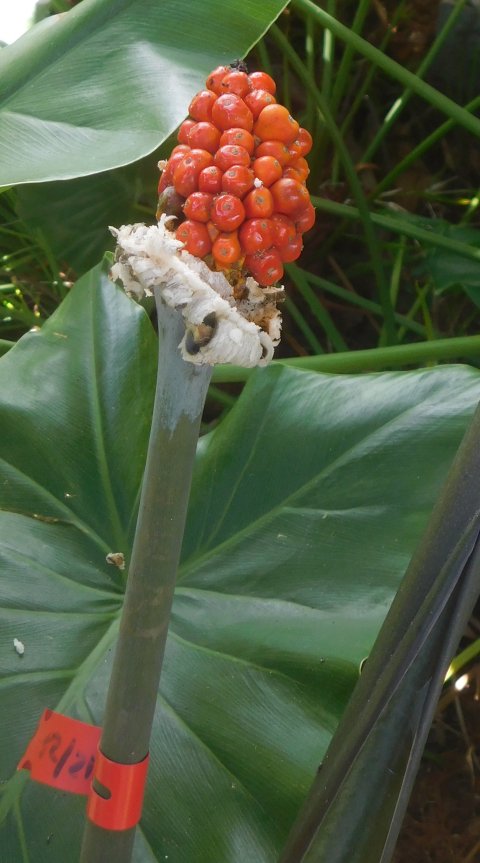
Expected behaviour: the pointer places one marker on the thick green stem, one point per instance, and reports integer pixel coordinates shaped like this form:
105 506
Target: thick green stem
370 360
180 396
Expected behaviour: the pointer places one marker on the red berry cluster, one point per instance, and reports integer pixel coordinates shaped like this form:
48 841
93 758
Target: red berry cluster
238 176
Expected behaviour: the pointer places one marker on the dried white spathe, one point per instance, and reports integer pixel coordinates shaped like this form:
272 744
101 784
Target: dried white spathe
218 329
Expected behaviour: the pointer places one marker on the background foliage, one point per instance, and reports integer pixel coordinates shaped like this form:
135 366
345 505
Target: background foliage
292 553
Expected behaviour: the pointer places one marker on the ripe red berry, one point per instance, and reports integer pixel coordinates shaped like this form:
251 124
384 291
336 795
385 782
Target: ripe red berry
301 166
302 144
266 267
195 237
289 196
236 82
230 111
198 206
305 219
228 212
213 231
230 155
238 176
256 235
293 174
238 137
262 81
238 180
284 230
214 80
204 136
267 169
257 100
277 149
166 180
292 250
226 249
210 180
275 123
259 203
176 157
200 107
185 177
184 131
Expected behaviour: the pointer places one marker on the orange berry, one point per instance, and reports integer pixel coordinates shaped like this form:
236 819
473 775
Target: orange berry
259 203
228 212
289 196
210 180
195 237
305 219
283 230
267 169
302 144
266 267
176 157
185 177
230 111
214 80
262 81
204 136
257 100
166 179
184 131
226 248
294 174
198 206
236 82
277 149
213 231
200 107
230 155
238 180
256 235
238 137
275 123
301 165
291 250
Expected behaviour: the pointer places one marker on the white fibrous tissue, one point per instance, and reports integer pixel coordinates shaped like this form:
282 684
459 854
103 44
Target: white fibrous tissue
218 327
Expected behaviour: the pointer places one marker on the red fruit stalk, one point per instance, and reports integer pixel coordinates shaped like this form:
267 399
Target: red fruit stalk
239 172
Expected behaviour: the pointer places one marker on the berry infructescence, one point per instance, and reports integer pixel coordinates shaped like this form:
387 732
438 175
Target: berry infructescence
236 179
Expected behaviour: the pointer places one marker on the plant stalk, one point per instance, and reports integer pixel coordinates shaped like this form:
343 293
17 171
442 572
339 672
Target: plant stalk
368 360
383 730
180 395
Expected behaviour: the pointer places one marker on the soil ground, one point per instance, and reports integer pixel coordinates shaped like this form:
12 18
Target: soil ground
442 824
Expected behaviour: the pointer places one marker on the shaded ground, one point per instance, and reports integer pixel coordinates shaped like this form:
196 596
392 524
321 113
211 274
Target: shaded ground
443 819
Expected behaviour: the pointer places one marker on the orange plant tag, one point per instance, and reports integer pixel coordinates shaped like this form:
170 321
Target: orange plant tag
62 753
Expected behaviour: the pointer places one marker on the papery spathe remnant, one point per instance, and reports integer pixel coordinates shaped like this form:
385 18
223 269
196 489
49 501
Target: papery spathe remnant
219 328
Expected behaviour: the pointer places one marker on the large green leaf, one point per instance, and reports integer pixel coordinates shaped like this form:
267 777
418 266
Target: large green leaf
306 504
72 216
104 84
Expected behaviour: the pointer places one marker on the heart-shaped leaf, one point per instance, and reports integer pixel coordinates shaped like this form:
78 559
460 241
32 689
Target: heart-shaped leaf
306 504
105 83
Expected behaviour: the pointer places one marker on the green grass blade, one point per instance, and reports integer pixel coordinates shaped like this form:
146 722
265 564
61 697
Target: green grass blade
390 67
423 68
370 360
